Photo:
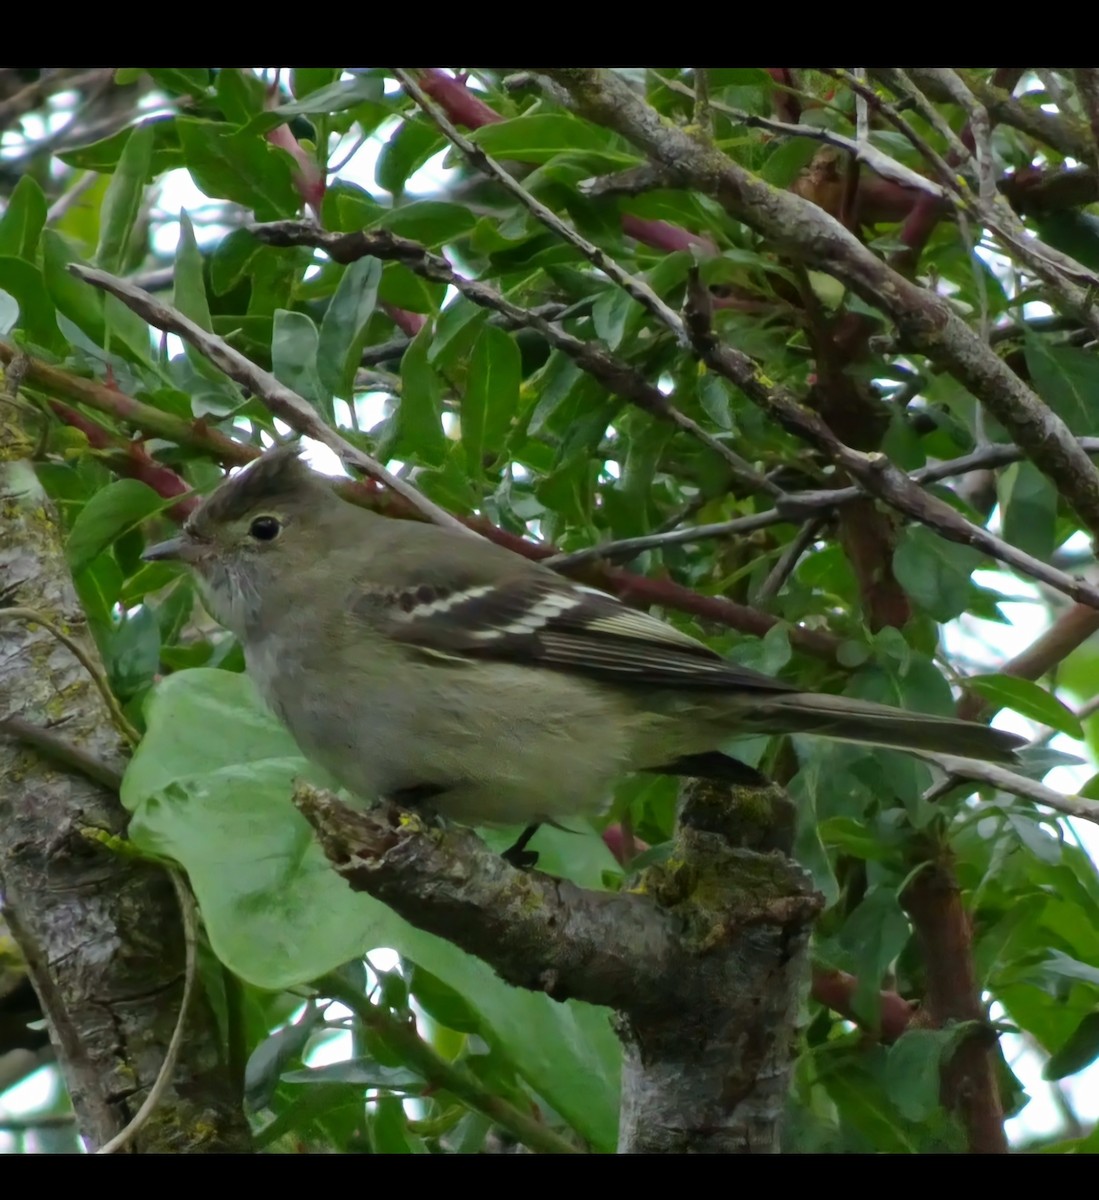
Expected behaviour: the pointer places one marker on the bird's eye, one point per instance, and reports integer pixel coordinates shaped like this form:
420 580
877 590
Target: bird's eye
265 529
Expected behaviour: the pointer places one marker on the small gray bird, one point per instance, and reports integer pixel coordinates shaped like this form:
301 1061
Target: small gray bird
420 664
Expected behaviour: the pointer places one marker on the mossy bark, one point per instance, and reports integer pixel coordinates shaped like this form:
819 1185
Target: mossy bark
101 934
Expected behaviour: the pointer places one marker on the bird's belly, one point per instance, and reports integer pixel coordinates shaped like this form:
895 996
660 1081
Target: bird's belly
506 749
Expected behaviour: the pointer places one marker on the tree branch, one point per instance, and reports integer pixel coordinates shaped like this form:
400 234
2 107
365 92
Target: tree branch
801 229
283 402
702 958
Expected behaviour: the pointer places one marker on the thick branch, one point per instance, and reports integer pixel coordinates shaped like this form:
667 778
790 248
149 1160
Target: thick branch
100 934
703 957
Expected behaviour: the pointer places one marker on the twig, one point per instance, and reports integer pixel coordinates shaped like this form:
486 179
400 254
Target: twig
788 560
33 617
863 151
67 199
445 1076
637 288
281 400
626 548
875 472
66 753
168 1066
1007 781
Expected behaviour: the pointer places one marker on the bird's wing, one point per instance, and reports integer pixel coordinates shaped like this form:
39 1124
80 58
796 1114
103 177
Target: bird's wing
540 619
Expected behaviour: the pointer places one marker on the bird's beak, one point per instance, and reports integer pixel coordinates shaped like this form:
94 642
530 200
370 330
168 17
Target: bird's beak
177 549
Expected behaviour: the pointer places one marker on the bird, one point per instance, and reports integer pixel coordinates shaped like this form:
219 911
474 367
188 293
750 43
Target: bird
430 667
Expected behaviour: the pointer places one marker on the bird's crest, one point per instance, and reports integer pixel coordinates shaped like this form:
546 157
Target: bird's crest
278 475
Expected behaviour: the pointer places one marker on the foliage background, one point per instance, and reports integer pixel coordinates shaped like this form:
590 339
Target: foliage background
486 417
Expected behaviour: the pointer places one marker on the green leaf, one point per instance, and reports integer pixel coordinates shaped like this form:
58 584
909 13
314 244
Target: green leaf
872 937
538 138
231 164
1028 699
336 97
347 207
405 152
241 94
132 653
120 506
189 296
491 399
231 259
934 572
294 359
431 222
1028 504
103 156
1081 1049
343 329
23 219
122 203
24 283
209 786
913 1068
1067 379
269 1059
75 299
418 419
186 81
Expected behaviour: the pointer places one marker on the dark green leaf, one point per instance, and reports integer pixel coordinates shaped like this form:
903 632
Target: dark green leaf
237 165
187 81
1029 699
122 203
538 138
75 299
347 207
1067 378
269 1059
913 1068
405 152
241 94
442 1003
132 653
491 399
1081 1049
103 156
430 222
935 572
23 219
343 329
294 359
1028 504
231 259
418 419
118 508
24 283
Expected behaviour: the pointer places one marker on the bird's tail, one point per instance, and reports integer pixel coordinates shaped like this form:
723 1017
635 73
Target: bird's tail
850 720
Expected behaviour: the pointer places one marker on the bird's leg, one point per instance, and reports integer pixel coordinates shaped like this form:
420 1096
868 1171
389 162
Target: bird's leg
518 855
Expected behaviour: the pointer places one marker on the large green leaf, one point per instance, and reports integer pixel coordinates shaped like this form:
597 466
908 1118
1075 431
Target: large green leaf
343 329
122 203
121 506
23 219
209 786
935 572
1067 379
491 398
